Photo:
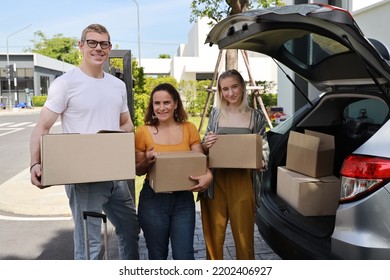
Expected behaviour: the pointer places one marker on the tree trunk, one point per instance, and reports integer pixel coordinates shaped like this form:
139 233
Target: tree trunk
237 6
231 59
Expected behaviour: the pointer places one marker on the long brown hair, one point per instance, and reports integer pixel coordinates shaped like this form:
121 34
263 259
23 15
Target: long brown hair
180 114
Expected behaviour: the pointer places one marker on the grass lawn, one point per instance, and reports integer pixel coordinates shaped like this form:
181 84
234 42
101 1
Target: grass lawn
139 180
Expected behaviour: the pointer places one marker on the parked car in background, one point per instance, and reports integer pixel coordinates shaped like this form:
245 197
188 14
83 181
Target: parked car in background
325 46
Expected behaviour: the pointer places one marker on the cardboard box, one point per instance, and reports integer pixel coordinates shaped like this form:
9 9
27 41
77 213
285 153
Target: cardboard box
237 151
309 196
82 158
171 171
311 153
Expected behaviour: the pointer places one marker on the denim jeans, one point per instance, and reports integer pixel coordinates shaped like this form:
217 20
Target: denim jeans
164 218
114 198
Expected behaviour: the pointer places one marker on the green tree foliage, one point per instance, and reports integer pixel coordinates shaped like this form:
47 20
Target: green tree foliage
39 101
270 99
152 82
194 96
268 95
141 95
116 62
216 10
164 55
58 47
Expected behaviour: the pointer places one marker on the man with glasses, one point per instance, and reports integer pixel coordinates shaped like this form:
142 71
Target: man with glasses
88 100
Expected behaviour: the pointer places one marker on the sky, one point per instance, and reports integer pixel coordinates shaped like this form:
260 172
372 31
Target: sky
163 24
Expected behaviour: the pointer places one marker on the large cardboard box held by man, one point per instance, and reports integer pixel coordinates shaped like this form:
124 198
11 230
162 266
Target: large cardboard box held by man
237 151
309 196
82 158
172 171
310 153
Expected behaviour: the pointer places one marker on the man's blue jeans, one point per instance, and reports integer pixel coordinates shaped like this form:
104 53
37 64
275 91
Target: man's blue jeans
114 198
166 217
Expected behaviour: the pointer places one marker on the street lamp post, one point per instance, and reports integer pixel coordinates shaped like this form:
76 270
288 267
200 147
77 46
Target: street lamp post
8 65
139 47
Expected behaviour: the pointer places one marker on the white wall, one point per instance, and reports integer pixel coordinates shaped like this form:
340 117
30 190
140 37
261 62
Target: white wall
47 62
374 21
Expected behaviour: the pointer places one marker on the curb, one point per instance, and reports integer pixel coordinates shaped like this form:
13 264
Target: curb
20 197
20 111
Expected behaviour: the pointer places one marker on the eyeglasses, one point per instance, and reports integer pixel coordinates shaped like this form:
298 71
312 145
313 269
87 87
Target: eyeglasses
103 44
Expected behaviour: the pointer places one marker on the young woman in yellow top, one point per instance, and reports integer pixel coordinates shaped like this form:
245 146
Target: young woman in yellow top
166 217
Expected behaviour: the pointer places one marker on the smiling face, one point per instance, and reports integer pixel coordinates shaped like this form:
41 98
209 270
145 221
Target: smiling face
94 57
231 90
163 106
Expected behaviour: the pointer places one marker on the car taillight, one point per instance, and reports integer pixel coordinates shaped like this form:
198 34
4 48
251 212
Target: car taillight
360 175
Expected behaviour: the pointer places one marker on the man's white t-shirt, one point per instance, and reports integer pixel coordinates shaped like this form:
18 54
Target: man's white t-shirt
87 104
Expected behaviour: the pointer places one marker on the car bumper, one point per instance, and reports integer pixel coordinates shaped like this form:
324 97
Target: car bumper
362 228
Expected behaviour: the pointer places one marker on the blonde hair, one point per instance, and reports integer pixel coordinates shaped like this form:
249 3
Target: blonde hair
222 104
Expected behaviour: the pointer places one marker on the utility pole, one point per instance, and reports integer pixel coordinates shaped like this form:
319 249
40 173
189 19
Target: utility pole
139 44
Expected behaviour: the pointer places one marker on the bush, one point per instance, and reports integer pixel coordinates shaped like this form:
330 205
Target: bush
38 101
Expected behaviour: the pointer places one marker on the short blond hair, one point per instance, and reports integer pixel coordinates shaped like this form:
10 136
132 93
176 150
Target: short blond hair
95 27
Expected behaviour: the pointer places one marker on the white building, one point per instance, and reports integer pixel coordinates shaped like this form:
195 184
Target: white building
197 61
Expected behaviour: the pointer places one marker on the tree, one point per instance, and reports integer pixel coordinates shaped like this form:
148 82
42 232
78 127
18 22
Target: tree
141 96
164 55
194 95
216 10
58 47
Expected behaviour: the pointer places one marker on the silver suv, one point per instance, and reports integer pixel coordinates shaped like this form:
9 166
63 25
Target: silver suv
324 45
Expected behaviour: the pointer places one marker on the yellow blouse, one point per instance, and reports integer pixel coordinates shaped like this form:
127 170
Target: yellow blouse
144 140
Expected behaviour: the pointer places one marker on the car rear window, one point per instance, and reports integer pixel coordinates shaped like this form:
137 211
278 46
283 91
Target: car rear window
312 48
370 110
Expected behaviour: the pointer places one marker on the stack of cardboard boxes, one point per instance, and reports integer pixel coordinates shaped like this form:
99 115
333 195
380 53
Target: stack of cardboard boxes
307 182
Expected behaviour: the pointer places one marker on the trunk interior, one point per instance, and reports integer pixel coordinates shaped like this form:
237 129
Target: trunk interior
348 135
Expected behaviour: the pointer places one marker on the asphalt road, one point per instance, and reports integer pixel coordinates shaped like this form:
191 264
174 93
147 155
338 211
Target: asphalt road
27 237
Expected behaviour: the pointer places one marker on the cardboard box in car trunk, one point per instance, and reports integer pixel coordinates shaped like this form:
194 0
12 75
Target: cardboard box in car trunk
237 151
82 158
172 171
309 196
310 153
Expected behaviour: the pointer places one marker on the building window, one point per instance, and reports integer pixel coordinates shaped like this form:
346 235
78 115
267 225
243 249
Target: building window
44 84
3 72
203 76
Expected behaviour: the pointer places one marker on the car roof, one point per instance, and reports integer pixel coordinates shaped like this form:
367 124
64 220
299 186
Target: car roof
321 43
